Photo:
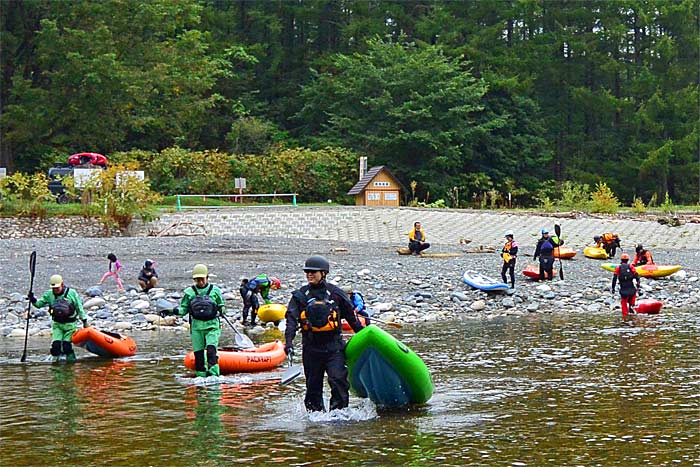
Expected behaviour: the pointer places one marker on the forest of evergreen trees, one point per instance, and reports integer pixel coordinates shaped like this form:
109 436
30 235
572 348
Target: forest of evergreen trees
508 95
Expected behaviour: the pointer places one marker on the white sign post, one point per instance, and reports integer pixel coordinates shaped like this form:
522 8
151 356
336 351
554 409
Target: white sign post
3 172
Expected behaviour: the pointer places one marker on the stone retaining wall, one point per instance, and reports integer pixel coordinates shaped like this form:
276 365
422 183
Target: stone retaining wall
390 225
370 224
56 227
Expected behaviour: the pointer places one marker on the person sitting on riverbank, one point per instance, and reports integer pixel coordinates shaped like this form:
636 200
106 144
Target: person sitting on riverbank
642 256
509 253
545 252
113 271
358 301
204 303
148 277
610 242
65 307
416 239
627 274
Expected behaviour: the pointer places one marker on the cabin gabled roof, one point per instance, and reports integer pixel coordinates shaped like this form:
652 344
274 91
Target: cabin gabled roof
361 185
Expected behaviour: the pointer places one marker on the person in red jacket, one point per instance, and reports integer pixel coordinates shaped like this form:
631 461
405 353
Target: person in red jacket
642 256
626 273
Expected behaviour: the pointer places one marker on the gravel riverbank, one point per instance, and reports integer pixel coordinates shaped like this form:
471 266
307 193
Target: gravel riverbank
407 289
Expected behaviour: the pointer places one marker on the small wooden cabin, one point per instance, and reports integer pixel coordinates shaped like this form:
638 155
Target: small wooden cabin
378 187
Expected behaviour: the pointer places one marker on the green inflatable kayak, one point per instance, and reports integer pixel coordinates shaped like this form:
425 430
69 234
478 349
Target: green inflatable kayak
385 370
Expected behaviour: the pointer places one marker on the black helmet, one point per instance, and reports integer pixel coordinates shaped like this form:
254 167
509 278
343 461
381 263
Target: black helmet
638 248
316 263
596 238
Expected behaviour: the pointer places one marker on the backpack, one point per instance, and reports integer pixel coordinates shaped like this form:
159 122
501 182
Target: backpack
62 310
320 315
202 307
625 273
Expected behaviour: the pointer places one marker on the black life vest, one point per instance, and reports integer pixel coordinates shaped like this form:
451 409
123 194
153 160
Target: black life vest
202 307
61 310
625 274
319 315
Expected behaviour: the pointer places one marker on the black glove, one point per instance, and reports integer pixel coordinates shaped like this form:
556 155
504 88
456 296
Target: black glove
85 323
164 313
289 350
31 297
612 290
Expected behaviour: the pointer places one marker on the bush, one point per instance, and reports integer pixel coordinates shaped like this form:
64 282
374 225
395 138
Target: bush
603 200
668 207
638 206
120 197
546 204
574 196
23 194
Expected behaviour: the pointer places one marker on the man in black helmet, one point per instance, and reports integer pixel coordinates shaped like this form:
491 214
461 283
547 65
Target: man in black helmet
318 308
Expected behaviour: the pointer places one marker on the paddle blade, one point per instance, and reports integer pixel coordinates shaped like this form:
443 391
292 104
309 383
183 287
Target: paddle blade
388 323
557 230
32 263
242 341
561 271
290 374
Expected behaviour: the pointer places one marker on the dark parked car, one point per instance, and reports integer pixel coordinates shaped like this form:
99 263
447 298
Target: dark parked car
56 187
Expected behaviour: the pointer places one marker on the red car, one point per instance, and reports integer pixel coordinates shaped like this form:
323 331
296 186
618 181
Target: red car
92 158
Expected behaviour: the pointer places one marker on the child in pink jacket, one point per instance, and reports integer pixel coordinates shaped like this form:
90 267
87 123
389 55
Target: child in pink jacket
114 267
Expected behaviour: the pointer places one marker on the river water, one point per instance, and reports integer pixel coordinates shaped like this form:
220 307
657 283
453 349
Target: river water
574 390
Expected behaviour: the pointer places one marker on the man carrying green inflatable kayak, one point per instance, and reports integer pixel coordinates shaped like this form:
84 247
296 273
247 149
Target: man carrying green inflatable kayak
318 308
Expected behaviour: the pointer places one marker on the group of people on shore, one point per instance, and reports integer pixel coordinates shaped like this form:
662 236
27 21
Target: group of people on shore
625 273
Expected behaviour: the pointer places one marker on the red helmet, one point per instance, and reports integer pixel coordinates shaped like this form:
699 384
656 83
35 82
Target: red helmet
276 284
625 257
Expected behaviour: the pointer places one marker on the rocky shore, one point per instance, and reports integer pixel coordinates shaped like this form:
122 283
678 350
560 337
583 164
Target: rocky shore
405 289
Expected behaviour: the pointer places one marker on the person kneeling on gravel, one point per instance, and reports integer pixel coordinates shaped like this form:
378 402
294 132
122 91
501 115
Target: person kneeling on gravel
358 301
65 307
204 303
416 240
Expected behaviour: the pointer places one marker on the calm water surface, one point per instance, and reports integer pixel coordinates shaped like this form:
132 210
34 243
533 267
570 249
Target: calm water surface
553 390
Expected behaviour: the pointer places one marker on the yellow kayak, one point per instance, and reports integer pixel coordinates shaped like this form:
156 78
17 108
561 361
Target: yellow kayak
648 270
595 253
271 312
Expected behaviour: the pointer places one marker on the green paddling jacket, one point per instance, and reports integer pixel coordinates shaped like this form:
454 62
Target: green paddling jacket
190 294
70 295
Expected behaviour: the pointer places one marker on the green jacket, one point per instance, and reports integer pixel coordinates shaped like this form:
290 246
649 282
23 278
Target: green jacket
72 296
215 295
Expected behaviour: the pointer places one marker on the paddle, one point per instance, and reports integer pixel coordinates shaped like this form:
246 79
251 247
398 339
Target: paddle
557 230
241 340
291 373
388 323
32 269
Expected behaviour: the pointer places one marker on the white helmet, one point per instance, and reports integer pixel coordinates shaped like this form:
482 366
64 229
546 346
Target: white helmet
509 233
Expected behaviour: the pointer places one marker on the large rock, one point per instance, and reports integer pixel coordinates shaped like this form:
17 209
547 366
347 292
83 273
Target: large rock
165 305
478 305
140 304
95 291
95 301
508 302
382 307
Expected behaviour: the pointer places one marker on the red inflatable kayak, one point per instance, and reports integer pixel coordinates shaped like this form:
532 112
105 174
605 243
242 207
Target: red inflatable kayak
533 271
648 306
88 158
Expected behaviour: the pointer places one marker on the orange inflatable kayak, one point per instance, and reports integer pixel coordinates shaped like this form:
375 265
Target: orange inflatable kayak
346 326
263 358
564 252
103 343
